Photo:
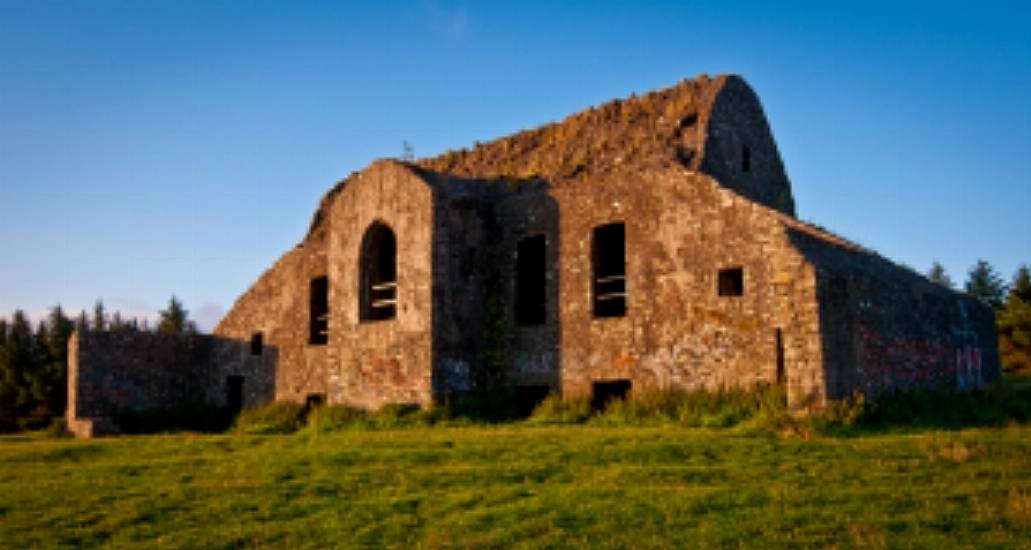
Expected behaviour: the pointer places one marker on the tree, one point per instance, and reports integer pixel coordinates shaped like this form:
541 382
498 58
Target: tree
82 324
1014 324
1021 287
61 328
116 324
985 284
938 275
6 385
99 319
18 357
173 320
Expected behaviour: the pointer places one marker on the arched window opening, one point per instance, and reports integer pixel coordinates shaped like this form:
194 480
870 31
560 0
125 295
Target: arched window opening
378 274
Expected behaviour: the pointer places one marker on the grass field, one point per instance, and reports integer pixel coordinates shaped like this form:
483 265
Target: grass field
520 485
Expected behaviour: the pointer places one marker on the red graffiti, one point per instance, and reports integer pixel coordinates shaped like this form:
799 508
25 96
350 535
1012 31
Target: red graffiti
892 362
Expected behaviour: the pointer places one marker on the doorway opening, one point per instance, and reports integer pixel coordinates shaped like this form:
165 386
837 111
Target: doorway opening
606 391
234 393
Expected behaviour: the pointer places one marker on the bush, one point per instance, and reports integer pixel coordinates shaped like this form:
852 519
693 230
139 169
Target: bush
57 429
396 415
335 418
279 417
555 410
994 405
760 407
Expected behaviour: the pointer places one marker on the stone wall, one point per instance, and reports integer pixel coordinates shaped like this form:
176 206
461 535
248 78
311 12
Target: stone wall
885 327
114 372
740 151
682 228
277 307
387 361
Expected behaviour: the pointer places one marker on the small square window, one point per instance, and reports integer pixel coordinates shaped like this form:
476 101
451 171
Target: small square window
731 282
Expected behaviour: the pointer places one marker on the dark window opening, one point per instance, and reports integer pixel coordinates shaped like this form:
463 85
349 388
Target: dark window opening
234 393
528 397
603 393
318 311
313 400
731 282
531 281
689 120
608 253
378 293
746 159
469 266
257 343
780 357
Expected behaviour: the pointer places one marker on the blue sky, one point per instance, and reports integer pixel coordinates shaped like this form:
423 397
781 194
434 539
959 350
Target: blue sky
150 148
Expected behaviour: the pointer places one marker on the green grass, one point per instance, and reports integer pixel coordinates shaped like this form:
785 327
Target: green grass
519 484
723 469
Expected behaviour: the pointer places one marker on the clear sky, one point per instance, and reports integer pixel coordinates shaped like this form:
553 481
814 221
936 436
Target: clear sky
151 147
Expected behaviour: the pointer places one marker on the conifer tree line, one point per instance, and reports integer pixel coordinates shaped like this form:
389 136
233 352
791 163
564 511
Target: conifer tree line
1012 305
34 359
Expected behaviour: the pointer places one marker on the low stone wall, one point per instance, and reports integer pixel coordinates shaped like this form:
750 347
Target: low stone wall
114 372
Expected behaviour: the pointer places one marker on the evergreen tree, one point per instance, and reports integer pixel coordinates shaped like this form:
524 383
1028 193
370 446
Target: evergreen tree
6 382
116 324
57 370
1014 324
173 320
938 275
82 324
1021 287
99 319
985 284
14 387
38 382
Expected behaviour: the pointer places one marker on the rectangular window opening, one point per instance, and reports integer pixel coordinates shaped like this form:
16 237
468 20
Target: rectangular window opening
234 393
319 312
608 281
731 282
606 391
746 159
257 343
531 281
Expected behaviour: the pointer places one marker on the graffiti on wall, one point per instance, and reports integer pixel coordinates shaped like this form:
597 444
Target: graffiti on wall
900 361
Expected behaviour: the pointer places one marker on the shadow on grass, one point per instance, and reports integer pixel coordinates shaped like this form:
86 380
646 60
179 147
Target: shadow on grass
192 417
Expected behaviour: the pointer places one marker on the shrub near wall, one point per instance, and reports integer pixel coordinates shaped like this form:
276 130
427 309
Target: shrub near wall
280 417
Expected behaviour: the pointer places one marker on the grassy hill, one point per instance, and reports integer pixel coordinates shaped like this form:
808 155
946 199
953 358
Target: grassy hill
520 484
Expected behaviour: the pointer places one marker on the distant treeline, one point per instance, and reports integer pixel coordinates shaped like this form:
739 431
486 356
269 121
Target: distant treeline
1012 305
34 360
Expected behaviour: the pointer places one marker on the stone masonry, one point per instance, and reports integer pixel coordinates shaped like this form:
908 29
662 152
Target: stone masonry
645 244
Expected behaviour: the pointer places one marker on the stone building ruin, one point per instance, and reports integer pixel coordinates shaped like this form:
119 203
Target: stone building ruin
646 244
